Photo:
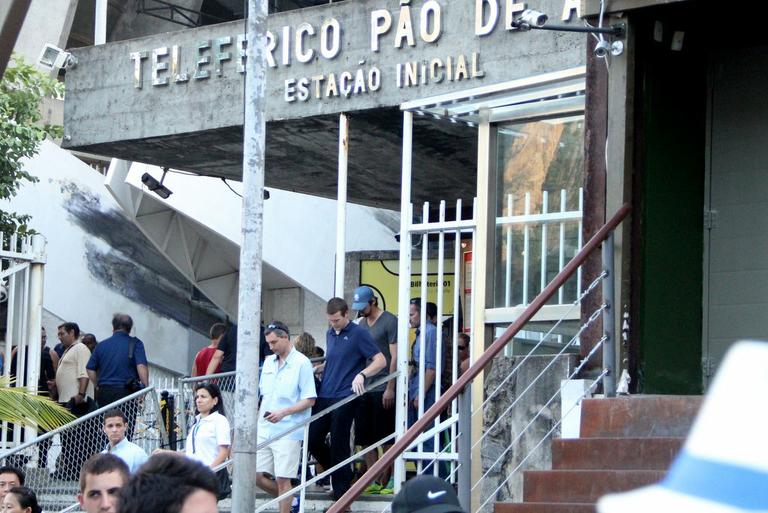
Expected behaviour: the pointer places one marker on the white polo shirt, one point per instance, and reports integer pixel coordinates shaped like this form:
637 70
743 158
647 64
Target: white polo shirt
205 437
282 387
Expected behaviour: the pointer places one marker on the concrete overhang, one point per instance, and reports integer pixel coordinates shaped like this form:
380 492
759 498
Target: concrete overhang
163 115
592 7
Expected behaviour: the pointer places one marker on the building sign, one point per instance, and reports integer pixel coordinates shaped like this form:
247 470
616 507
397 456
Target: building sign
338 57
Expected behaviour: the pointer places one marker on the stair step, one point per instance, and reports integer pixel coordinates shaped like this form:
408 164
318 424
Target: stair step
615 453
543 507
583 486
639 416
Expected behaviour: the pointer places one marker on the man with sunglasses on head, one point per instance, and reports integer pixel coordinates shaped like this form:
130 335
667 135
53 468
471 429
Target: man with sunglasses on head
287 390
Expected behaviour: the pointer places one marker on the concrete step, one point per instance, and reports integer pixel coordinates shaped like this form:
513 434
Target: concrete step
543 507
615 453
319 501
582 486
639 416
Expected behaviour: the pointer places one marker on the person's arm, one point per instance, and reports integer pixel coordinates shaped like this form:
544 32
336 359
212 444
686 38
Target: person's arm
194 365
277 416
143 371
94 376
218 356
82 390
54 359
388 399
377 363
221 457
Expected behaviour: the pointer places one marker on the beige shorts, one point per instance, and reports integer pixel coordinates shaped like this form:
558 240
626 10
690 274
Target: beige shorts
281 458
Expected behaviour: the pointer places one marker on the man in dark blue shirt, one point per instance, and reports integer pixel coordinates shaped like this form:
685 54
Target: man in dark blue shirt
113 369
348 348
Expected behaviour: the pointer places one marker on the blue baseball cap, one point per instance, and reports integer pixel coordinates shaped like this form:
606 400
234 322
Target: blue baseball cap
361 297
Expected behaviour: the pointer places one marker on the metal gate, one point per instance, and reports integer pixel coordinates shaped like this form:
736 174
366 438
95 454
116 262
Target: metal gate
21 294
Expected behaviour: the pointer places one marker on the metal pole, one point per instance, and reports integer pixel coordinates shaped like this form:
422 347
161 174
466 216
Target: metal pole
249 299
35 307
609 331
341 206
100 23
465 448
403 296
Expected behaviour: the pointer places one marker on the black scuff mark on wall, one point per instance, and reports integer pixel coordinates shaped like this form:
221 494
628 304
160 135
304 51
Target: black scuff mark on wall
132 266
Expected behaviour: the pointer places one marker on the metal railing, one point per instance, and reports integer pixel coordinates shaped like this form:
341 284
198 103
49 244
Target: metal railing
461 387
52 461
304 425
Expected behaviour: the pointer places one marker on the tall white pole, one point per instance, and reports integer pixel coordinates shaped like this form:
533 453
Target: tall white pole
249 300
100 23
403 296
35 308
341 206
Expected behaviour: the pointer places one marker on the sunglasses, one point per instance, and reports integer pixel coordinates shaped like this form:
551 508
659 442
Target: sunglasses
461 348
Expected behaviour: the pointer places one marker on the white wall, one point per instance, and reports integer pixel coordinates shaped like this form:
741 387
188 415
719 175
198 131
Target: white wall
299 230
71 290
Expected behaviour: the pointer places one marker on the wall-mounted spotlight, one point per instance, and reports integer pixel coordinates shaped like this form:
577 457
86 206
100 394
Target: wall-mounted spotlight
53 57
531 19
155 186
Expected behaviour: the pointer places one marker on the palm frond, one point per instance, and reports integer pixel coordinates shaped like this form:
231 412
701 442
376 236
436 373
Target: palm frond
19 406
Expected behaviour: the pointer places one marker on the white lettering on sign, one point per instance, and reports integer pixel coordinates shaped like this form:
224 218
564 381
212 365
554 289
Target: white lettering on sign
305 43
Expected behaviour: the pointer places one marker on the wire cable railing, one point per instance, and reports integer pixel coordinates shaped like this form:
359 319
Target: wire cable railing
406 440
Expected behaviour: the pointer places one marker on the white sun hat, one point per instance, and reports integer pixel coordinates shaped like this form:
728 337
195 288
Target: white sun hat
723 466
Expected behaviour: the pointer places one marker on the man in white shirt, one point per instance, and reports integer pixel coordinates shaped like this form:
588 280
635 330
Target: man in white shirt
287 389
115 424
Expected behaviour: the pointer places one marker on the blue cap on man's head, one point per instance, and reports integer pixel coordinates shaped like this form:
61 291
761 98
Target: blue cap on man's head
361 297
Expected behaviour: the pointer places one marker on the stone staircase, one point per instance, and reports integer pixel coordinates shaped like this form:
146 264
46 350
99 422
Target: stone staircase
625 443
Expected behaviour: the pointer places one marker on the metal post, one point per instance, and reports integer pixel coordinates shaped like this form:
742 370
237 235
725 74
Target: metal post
403 295
249 298
609 329
35 319
341 206
465 448
100 23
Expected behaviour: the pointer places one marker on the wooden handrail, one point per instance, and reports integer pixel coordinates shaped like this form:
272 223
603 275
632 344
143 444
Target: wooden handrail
476 368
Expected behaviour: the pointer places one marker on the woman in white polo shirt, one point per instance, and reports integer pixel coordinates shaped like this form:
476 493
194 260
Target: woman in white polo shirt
209 438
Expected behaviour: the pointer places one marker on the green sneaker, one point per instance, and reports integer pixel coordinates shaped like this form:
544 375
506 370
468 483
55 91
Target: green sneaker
389 488
373 489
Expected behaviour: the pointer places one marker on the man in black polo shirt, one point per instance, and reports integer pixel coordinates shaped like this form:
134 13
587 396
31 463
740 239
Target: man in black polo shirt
348 349
114 370
226 352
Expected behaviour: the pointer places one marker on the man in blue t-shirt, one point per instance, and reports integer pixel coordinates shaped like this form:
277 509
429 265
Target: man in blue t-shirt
114 371
348 348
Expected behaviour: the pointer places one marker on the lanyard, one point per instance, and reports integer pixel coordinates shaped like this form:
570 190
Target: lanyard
195 429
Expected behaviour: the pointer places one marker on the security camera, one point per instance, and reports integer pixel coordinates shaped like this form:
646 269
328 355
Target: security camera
53 57
533 18
602 48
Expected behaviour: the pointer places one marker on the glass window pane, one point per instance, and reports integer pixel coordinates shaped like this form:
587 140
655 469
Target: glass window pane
540 171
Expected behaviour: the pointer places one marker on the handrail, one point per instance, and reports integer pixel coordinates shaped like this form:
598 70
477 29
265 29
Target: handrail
476 368
77 421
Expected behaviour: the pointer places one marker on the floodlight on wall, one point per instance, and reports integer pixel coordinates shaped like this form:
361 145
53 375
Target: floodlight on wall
52 57
531 19
155 186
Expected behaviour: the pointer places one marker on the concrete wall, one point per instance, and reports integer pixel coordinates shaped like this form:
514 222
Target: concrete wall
299 230
98 264
46 22
500 437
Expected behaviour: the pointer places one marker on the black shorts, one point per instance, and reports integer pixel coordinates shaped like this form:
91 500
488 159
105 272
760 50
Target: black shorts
373 422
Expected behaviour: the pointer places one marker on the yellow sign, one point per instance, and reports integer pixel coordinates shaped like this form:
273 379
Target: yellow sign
383 275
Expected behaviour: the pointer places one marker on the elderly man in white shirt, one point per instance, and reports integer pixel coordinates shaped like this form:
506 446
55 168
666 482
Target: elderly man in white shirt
115 424
287 389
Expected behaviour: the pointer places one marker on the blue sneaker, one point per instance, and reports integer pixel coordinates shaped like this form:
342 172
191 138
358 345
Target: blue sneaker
295 505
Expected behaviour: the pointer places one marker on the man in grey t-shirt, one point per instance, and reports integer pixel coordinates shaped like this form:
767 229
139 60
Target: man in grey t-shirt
376 414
